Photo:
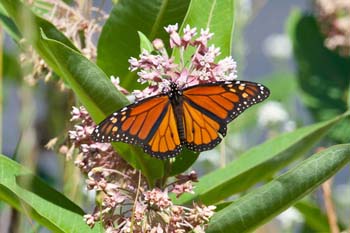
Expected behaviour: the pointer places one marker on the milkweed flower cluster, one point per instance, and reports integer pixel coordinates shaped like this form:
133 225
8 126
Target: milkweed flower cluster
158 69
334 20
126 200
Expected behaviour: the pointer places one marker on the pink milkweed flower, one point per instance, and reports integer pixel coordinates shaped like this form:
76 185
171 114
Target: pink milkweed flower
158 69
175 39
204 38
189 33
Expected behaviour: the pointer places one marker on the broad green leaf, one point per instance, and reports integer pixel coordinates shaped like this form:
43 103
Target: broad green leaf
218 17
119 40
257 164
89 83
145 44
30 195
257 207
323 75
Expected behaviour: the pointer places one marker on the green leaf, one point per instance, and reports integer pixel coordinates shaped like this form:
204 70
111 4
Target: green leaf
31 196
323 75
262 204
313 216
145 44
11 65
257 164
89 83
119 40
222 205
218 17
183 162
9 25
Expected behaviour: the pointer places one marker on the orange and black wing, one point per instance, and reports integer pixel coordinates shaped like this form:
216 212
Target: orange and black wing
208 108
150 123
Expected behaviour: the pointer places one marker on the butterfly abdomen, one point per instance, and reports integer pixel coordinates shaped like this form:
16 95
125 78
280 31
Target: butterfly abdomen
179 121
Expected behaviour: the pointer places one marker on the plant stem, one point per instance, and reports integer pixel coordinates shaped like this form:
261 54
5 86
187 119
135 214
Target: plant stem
327 196
135 202
14 221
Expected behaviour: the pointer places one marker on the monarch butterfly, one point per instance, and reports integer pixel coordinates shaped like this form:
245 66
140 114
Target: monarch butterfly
195 117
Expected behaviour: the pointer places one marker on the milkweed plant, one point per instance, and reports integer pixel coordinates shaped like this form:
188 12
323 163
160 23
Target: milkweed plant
123 186
104 61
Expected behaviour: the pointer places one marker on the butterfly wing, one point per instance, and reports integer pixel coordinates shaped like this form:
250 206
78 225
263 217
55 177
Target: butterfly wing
208 108
206 111
150 123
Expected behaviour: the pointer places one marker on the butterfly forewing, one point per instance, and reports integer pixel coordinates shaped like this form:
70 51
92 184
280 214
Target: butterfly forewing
146 123
215 105
226 100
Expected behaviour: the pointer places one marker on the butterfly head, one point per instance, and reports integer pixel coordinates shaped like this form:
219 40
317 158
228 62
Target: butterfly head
175 92
173 86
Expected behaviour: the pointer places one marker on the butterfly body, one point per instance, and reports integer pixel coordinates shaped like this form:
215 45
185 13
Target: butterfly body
175 97
195 117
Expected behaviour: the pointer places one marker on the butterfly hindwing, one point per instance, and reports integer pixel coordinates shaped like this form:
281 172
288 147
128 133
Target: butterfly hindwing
165 141
145 123
201 130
